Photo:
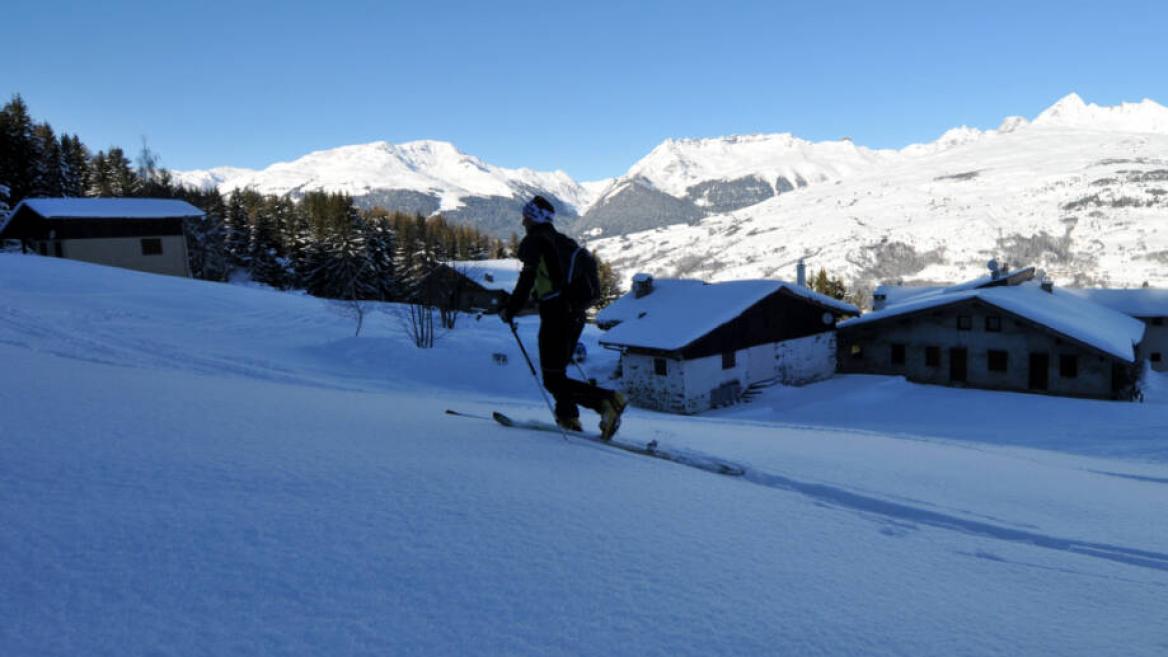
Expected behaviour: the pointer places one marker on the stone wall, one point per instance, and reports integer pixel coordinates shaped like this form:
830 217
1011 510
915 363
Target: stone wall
869 349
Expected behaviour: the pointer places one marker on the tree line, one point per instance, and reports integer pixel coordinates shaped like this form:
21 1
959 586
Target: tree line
321 242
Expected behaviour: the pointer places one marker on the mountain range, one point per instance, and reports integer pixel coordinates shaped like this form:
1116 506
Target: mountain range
1081 191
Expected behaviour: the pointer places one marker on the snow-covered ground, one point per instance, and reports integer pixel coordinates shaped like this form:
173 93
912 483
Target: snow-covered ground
190 468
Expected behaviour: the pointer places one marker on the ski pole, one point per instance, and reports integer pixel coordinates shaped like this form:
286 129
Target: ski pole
538 383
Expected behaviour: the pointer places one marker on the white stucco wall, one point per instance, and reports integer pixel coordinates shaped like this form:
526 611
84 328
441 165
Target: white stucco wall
688 386
126 252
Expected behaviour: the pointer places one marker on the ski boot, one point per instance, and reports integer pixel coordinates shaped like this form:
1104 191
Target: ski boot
610 415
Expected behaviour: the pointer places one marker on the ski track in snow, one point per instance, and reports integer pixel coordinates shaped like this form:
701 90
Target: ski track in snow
197 469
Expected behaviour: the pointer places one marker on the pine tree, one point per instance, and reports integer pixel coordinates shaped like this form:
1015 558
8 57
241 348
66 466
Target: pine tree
832 287
46 168
206 236
122 179
609 284
237 236
18 152
380 242
264 249
99 177
74 166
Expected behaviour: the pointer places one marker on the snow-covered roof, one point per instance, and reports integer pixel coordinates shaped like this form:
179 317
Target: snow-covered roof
894 294
679 311
109 208
1138 302
1062 311
499 274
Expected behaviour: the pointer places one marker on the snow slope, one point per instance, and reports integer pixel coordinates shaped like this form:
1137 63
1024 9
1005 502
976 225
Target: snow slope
1080 192
191 468
433 168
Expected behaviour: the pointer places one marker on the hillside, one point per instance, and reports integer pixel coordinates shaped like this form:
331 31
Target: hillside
197 468
1081 192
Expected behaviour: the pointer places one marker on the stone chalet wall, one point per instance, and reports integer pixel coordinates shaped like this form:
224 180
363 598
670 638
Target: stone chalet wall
868 348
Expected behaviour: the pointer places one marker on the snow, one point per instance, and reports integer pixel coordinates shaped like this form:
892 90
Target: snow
1072 112
193 468
679 311
120 208
426 166
500 274
1136 302
1061 311
676 165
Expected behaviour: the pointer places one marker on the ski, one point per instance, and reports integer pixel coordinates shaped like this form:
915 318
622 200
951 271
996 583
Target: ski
651 449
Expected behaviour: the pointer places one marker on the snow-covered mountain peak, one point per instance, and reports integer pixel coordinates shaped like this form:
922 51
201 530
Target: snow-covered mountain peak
421 170
677 165
1072 112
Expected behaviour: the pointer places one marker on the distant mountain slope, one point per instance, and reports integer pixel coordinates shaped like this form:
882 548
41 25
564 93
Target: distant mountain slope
1082 192
419 176
687 179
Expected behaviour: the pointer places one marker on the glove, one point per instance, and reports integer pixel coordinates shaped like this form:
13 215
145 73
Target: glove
506 316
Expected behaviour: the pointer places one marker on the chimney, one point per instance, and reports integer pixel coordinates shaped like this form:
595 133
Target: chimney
801 274
642 285
995 269
1047 285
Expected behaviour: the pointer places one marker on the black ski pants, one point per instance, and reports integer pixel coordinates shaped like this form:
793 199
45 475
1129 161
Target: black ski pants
559 331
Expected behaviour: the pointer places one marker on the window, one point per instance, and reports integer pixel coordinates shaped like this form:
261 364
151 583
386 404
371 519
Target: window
58 250
932 356
1068 366
998 360
1157 321
1156 357
659 367
898 354
993 323
857 352
964 323
151 246
727 360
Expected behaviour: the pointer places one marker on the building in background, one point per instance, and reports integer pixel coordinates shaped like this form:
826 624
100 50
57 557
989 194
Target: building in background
688 346
1147 304
145 234
472 285
1003 331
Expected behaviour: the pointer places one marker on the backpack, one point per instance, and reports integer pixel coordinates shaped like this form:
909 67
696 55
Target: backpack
581 288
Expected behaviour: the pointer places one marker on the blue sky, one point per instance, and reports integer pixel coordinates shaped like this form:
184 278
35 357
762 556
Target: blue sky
587 87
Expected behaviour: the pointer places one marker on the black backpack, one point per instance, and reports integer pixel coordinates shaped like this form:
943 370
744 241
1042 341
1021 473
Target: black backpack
581 287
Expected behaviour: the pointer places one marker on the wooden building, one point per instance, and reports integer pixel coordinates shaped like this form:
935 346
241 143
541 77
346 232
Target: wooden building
472 285
134 233
687 346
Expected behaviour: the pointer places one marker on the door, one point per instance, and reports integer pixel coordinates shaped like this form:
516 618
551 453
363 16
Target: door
958 364
1039 371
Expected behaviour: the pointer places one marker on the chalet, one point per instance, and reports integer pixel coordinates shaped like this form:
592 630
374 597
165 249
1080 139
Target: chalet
472 285
687 346
1150 306
145 234
1004 332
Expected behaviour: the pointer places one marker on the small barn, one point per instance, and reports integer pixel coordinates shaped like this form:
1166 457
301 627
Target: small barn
145 234
472 285
1001 334
688 346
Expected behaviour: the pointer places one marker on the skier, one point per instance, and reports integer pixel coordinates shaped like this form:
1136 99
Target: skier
543 252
